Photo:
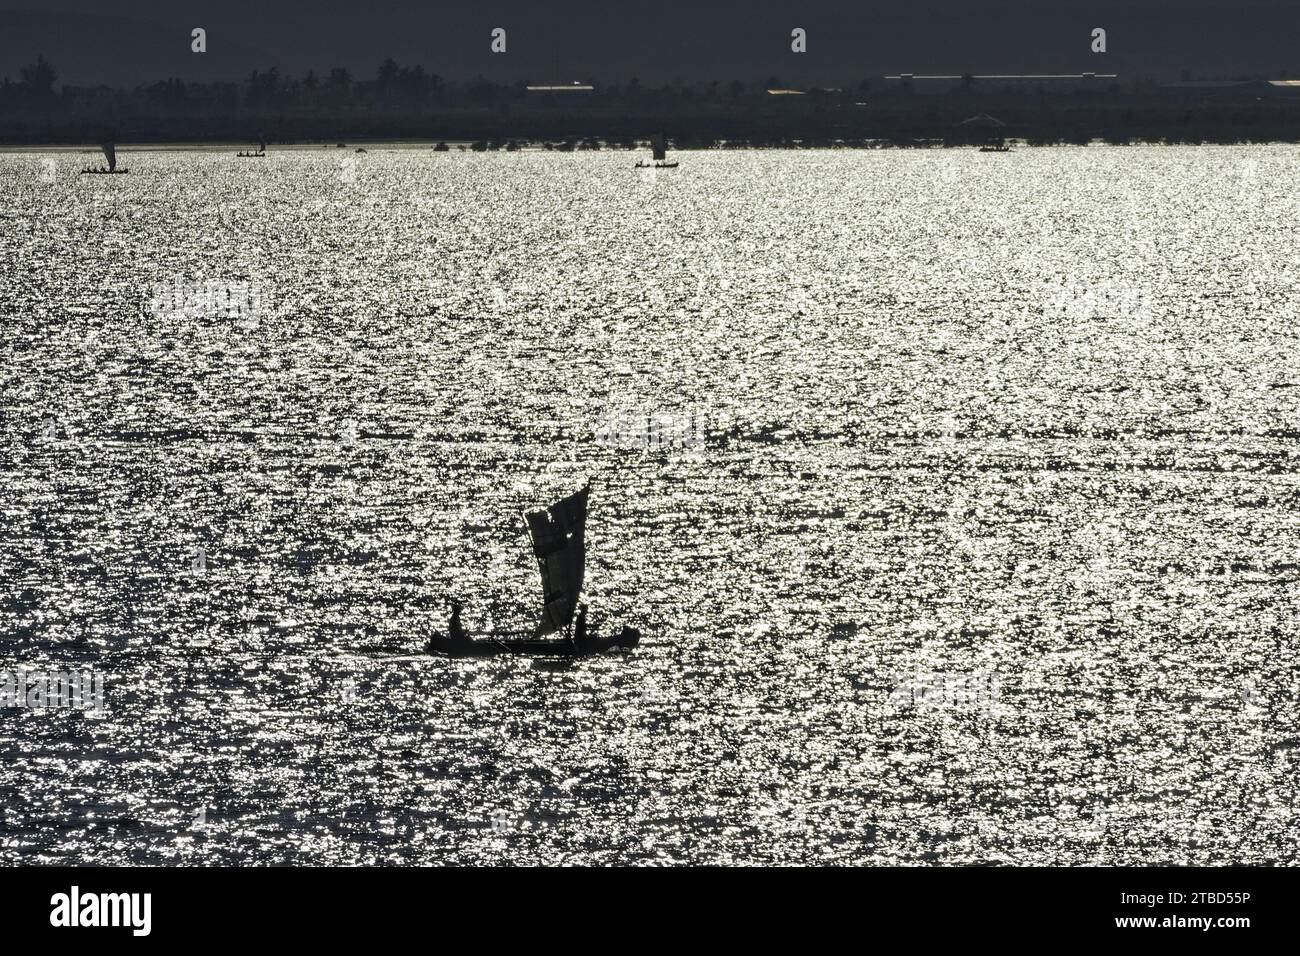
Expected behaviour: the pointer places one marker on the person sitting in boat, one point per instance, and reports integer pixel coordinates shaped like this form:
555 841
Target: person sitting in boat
580 626
455 631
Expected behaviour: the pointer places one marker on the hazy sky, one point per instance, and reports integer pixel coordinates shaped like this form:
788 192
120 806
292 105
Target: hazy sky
131 41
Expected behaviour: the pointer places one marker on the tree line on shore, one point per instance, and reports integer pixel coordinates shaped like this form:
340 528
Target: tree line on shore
409 102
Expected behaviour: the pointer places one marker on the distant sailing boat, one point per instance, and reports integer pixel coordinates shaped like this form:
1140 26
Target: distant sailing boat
110 154
558 536
254 154
658 153
995 142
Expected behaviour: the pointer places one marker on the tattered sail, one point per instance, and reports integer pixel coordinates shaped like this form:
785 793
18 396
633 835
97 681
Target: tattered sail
559 541
110 154
657 145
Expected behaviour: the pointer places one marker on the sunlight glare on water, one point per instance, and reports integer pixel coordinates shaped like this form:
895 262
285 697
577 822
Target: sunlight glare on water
979 544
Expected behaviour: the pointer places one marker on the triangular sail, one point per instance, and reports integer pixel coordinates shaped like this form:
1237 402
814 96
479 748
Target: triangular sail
657 145
558 534
261 146
110 154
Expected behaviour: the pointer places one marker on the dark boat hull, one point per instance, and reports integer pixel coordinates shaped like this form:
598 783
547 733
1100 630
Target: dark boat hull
656 165
444 646
104 172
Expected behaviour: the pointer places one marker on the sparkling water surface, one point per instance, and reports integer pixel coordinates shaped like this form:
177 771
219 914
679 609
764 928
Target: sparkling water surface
1019 428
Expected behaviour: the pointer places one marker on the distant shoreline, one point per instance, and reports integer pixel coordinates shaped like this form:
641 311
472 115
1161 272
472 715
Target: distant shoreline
405 106
543 147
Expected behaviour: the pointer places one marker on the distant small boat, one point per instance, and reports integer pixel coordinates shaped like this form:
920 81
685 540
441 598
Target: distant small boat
110 154
359 149
493 646
558 537
254 154
994 140
440 148
658 155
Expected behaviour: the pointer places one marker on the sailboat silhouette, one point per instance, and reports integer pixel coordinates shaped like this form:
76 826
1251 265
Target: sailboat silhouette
252 154
110 156
658 155
558 537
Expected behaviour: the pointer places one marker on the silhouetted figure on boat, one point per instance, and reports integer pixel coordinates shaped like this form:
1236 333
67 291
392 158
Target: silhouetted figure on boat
455 630
456 635
580 628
